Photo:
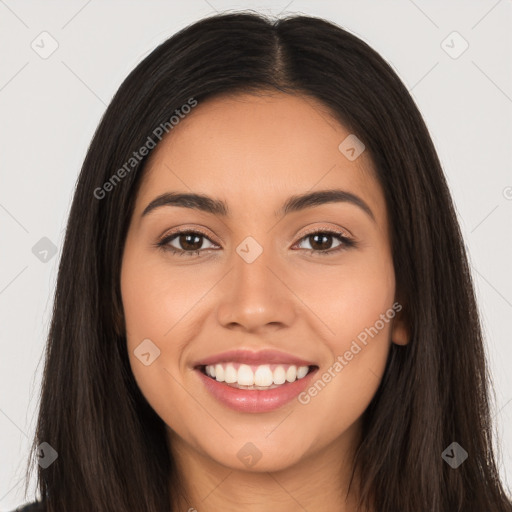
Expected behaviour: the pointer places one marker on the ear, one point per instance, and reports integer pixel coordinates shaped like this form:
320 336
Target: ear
400 331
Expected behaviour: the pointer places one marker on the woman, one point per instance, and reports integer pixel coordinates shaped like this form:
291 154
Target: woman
264 301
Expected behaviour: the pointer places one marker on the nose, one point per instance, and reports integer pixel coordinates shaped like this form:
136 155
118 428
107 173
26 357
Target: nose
256 296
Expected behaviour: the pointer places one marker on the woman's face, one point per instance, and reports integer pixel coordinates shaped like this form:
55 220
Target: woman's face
262 280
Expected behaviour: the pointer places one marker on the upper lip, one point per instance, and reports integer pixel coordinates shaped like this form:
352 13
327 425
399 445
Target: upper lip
256 358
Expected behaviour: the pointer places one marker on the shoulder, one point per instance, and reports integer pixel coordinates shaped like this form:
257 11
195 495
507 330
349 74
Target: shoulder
36 506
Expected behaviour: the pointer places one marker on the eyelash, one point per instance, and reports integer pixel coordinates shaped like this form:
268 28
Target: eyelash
346 242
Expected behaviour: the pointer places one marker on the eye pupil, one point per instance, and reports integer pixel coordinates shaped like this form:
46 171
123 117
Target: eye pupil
185 242
318 245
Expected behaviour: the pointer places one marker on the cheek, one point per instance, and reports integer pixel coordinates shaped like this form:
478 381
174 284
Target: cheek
350 297
354 301
156 297
148 316
158 302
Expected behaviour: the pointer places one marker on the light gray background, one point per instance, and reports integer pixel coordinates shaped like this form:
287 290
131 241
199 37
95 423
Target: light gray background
50 107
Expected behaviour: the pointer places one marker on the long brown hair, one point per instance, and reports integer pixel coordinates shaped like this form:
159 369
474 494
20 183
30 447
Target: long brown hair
112 447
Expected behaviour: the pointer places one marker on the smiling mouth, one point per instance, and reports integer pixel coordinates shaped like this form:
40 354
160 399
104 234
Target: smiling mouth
261 378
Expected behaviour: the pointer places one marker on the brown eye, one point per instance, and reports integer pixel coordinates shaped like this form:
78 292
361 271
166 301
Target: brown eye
190 242
321 242
185 243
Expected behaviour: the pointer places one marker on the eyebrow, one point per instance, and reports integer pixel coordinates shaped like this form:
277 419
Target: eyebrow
292 204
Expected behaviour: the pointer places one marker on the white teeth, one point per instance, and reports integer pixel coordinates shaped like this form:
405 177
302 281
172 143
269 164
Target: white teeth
262 376
245 375
230 375
219 372
279 375
291 373
302 372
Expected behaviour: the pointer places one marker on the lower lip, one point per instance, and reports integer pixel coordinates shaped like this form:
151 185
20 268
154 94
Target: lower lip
255 400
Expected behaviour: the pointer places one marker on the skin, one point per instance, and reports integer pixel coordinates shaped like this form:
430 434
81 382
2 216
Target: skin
254 152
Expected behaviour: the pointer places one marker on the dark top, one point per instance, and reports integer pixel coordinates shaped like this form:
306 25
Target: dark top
36 506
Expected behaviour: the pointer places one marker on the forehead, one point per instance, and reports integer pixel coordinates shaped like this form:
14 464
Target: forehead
254 151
